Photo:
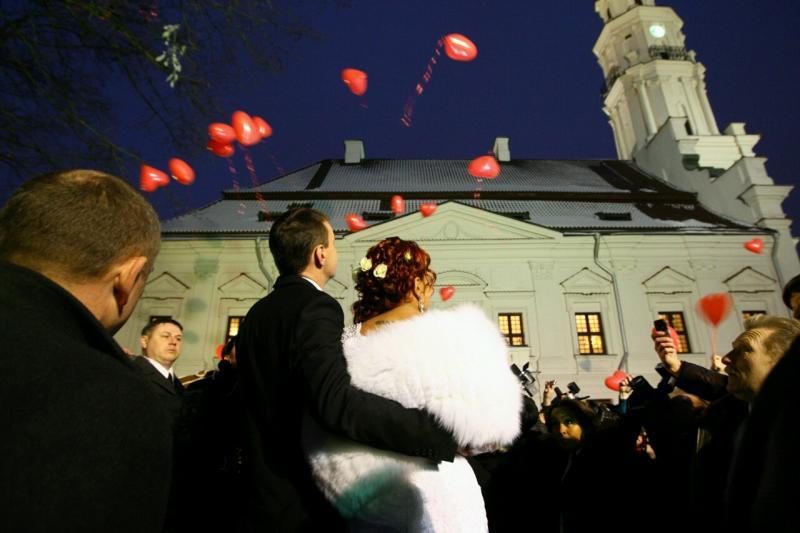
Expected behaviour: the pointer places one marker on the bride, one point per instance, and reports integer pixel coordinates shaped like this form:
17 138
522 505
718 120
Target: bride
452 363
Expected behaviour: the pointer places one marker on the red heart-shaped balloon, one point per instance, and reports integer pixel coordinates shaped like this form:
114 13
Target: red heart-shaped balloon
151 178
715 307
445 293
221 149
356 80
181 171
263 127
755 245
613 381
245 128
398 205
485 166
221 133
459 48
354 222
427 209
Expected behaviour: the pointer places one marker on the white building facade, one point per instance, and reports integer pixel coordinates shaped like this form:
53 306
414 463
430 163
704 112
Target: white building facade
574 259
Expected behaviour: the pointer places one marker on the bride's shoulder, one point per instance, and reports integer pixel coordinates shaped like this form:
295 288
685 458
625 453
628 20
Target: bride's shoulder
351 331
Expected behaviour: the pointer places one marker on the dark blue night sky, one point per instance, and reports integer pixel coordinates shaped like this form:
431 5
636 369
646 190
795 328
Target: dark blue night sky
535 80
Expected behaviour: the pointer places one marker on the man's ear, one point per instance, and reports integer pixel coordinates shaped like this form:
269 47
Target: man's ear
318 256
143 342
127 275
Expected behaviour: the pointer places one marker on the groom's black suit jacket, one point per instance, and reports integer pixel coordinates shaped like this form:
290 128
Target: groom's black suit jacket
291 362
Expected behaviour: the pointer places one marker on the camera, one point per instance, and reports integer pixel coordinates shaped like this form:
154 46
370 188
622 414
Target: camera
573 388
661 325
525 378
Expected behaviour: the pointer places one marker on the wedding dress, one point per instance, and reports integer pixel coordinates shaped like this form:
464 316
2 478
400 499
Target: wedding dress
451 363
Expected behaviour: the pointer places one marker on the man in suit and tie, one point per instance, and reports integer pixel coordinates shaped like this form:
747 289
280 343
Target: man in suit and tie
161 341
84 446
291 364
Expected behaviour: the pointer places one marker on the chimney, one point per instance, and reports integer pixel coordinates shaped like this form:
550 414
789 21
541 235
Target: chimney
501 151
353 151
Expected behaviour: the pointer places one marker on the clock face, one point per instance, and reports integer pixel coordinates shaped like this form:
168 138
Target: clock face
657 30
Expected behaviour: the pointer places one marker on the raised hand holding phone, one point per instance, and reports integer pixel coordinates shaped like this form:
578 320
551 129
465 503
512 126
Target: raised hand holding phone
666 345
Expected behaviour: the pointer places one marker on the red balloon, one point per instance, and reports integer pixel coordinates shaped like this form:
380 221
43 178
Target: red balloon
354 222
181 171
151 178
221 133
398 204
754 245
485 166
613 381
263 127
459 48
356 80
427 209
245 128
219 350
220 149
445 293
714 308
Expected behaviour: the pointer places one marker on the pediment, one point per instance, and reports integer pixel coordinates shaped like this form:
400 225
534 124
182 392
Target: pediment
585 281
165 285
750 280
668 281
455 222
242 286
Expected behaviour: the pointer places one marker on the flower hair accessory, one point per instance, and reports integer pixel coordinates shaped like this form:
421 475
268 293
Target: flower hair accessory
380 271
366 264
407 256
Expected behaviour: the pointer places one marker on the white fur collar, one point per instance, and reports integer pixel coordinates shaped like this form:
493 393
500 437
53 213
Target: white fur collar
452 363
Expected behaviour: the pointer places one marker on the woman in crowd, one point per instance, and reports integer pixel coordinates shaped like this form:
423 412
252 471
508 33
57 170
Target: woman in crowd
452 363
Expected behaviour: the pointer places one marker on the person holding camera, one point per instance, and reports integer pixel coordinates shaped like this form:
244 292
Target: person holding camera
756 352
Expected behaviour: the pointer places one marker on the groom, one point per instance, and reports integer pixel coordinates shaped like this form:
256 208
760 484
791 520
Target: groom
291 361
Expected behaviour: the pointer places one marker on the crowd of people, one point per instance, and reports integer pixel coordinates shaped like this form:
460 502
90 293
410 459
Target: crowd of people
389 424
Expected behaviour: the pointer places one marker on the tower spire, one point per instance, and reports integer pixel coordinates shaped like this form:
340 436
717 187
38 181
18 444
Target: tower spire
654 95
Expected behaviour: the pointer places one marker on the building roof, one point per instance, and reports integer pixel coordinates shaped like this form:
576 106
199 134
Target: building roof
563 195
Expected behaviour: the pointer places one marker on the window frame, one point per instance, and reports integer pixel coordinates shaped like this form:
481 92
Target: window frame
511 335
589 334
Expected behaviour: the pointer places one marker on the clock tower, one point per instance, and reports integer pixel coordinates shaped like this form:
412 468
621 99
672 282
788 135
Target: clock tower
656 101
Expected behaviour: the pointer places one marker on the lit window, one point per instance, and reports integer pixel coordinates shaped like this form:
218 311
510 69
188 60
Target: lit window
591 340
676 320
750 314
511 327
233 326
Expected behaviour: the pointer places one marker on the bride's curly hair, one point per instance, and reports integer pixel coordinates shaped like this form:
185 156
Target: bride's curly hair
405 261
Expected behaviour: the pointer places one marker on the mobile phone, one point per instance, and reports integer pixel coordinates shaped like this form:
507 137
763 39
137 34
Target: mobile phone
661 325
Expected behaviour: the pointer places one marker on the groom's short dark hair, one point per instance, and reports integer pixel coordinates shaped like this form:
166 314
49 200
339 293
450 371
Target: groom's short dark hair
294 235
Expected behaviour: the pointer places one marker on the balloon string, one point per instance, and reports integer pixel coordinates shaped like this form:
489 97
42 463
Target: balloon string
713 341
277 165
232 170
427 75
248 159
